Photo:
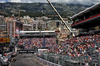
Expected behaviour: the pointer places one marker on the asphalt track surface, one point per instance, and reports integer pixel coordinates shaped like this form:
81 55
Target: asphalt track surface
26 60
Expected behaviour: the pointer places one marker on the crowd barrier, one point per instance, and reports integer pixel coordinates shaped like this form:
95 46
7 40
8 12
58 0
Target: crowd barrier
66 60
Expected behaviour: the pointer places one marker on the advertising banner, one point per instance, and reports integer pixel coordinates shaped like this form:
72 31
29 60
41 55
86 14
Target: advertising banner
17 32
4 40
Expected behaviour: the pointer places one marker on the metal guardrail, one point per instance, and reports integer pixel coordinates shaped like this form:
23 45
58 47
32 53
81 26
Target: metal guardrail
66 60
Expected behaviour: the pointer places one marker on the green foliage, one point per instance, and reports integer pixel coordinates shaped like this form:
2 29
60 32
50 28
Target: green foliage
68 36
4 32
40 28
32 14
41 9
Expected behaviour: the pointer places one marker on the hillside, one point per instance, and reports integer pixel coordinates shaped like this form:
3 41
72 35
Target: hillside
40 9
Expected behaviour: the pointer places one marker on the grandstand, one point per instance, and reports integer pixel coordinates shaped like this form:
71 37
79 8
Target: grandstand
83 50
39 39
87 20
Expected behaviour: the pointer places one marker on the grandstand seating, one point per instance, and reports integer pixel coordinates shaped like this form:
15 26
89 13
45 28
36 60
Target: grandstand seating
29 43
83 49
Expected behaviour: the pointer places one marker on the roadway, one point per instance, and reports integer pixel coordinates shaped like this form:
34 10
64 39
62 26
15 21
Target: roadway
26 60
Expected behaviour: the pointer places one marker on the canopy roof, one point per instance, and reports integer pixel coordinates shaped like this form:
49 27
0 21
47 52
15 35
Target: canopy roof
86 10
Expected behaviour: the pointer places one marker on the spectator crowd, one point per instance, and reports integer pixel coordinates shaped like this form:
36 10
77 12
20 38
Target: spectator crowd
29 43
87 46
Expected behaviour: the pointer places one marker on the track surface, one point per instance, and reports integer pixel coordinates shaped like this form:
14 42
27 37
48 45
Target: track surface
26 60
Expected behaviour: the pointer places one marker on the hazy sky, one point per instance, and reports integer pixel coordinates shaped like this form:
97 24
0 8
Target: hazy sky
58 1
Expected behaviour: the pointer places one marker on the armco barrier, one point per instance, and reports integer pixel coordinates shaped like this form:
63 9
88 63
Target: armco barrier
47 62
67 60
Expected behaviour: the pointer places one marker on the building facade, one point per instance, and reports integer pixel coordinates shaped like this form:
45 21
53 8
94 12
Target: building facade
2 24
13 26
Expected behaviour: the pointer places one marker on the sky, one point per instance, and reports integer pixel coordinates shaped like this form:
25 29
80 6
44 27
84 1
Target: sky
85 2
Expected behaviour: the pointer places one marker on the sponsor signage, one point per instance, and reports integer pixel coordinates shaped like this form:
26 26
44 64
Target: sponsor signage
4 40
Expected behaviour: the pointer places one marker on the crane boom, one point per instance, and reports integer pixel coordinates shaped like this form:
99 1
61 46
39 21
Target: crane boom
60 17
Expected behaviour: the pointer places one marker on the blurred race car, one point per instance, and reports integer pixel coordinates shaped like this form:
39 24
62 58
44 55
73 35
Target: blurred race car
13 54
4 61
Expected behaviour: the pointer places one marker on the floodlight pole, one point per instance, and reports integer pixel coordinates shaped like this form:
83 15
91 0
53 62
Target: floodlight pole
60 17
